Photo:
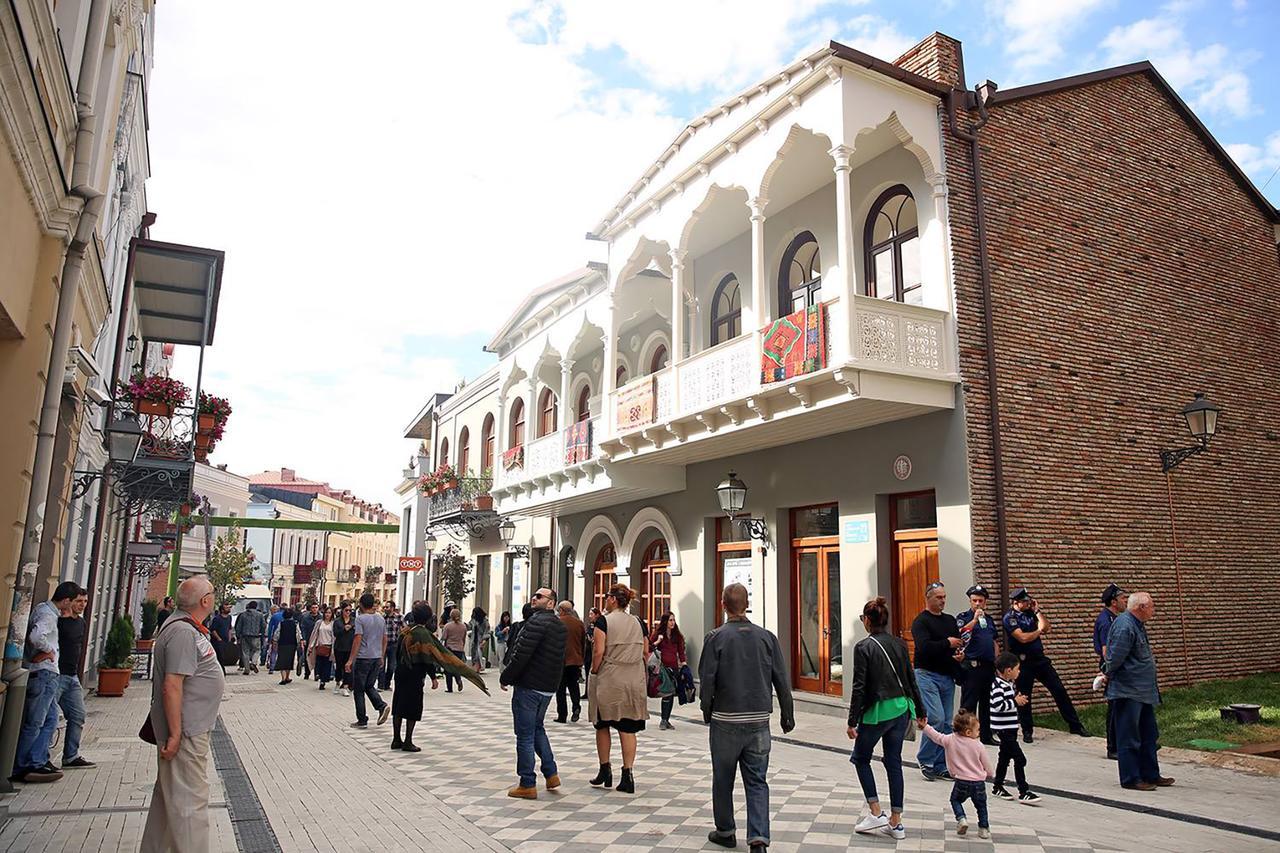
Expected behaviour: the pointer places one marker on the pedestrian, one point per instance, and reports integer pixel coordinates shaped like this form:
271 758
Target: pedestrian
220 634
40 710
668 642
1133 687
978 633
367 653
1114 601
250 626
970 765
71 637
478 629
500 635
535 670
186 688
525 612
884 698
454 637
320 647
272 622
284 643
306 626
1025 626
395 623
344 635
616 696
575 637
413 666
592 615
938 655
1005 702
165 611
741 667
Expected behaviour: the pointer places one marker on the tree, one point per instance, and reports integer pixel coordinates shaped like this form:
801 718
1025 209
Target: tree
455 574
230 567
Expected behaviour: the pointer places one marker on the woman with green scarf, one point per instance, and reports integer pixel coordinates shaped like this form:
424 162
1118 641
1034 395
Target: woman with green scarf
420 655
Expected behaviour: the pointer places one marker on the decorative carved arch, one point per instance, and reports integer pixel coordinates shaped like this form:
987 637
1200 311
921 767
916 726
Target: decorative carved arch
649 518
793 138
656 338
895 126
598 526
646 250
714 193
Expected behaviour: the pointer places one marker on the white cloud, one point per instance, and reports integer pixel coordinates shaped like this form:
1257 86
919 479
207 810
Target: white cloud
1209 77
1258 161
876 36
1036 29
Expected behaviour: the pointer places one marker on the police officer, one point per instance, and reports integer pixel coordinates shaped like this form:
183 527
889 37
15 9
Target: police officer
1114 601
1024 625
978 633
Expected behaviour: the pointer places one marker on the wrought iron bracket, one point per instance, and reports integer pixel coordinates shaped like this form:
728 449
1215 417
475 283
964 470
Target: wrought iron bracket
755 528
1170 459
521 551
465 525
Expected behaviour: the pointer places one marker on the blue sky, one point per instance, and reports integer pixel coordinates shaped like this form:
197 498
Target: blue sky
387 186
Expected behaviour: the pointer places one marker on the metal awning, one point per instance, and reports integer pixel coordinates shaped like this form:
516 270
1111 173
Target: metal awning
176 291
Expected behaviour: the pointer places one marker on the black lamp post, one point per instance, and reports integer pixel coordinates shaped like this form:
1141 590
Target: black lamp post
1202 422
732 494
507 532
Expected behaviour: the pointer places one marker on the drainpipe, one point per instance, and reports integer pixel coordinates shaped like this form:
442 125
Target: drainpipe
983 92
42 466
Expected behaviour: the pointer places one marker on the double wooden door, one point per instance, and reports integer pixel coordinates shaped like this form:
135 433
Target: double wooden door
819 657
915 567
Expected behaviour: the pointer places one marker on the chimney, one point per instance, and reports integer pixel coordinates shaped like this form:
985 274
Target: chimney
938 57
287 475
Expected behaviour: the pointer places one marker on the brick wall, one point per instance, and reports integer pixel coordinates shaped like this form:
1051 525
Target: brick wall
937 57
1129 270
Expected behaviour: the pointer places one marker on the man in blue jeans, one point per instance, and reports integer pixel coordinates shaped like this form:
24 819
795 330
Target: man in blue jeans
535 670
71 636
741 667
367 652
938 653
1135 692
40 713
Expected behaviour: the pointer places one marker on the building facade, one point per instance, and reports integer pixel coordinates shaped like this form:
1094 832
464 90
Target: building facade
907 369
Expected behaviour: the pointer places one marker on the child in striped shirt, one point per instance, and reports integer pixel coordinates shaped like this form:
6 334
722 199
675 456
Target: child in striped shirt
1005 702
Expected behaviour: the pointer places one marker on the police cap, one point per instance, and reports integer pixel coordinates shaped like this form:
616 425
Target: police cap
1019 594
1109 594
978 589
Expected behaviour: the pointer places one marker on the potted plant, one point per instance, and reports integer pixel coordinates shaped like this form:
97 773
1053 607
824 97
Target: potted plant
446 477
117 664
212 413
159 526
155 394
150 615
475 492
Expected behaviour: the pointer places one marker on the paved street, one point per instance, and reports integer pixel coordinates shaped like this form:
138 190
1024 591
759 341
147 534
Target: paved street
323 786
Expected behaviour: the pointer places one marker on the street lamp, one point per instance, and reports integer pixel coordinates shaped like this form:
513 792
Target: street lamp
507 532
124 437
732 494
1202 422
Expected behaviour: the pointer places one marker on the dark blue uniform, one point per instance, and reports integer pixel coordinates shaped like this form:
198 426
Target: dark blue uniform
979 667
1101 630
1036 667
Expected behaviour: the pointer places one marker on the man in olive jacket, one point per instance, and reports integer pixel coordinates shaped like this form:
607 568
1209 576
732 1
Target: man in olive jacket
535 670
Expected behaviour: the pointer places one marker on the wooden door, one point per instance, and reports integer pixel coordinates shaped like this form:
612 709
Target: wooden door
915 567
818 639
603 576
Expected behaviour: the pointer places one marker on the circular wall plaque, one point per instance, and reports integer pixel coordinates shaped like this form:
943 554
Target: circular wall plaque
902 467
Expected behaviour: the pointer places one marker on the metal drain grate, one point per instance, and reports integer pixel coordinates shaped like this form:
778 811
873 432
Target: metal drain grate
253 830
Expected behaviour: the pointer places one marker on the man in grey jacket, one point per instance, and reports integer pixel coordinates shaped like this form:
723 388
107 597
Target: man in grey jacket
251 627
1134 693
740 668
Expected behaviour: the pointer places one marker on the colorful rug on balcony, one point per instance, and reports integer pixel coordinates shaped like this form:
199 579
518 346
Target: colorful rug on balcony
577 443
794 345
513 459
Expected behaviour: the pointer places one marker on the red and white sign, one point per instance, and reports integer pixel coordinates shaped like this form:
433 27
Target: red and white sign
412 564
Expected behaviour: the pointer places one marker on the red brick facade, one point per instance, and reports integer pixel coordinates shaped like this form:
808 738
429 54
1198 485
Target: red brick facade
1129 270
938 57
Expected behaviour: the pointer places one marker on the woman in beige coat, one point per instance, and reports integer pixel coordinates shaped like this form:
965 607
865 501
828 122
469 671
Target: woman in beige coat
616 695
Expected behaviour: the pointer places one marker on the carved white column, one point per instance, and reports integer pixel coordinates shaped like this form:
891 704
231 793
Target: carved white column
677 304
568 409
499 439
609 379
759 313
532 417
845 247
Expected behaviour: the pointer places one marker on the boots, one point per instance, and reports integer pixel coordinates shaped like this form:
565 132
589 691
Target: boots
604 779
628 783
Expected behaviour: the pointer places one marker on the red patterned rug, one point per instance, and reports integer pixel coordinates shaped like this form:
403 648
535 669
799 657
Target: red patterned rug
577 443
794 345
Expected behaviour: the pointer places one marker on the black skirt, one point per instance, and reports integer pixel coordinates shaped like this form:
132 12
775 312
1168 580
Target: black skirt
406 701
629 727
284 657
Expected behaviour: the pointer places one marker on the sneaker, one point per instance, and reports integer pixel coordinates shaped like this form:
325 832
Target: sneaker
665 724
729 840
346 692
983 832
945 775
872 822
1029 798
78 761
899 832
962 826
928 774
383 714
359 725
1028 738
35 774
1000 793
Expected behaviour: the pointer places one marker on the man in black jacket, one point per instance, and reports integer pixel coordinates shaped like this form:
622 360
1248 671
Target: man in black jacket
939 651
535 668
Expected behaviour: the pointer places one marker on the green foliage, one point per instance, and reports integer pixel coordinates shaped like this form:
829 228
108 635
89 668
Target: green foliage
455 574
117 651
150 615
230 567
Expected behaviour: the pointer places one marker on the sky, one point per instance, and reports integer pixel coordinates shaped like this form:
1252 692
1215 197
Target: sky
387 186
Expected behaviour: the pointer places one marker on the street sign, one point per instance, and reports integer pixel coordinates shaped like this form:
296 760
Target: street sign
412 564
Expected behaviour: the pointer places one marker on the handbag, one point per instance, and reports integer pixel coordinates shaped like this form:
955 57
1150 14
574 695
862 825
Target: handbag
323 651
148 732
687 692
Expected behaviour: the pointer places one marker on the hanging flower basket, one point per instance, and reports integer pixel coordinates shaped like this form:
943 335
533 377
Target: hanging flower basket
202 454
151 407
204 441
484 502
155 394
158 526
184 509
205 422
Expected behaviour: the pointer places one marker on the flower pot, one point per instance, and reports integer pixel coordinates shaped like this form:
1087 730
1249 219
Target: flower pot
451 484
484 502
203 441
204 422
144 645
112 682
202 454
185 509
151 407
158 525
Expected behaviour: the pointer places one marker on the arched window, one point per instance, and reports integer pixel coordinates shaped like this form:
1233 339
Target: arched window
620 376
726 310
464 451
604 574
516 435
546 413
660 359
800 278
584 403
486 444
444 451
892 238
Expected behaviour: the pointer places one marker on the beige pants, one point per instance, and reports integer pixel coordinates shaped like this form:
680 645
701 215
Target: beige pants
178 821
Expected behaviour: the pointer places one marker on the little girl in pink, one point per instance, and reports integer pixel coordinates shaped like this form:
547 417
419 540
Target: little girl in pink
969 765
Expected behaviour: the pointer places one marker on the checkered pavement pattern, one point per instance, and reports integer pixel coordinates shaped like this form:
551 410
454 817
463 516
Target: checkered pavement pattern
468 762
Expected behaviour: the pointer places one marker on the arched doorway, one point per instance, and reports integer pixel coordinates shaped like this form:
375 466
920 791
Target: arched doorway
603 575
654 595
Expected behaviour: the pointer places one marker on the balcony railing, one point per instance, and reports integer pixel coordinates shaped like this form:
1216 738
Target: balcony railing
471 494
551 454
